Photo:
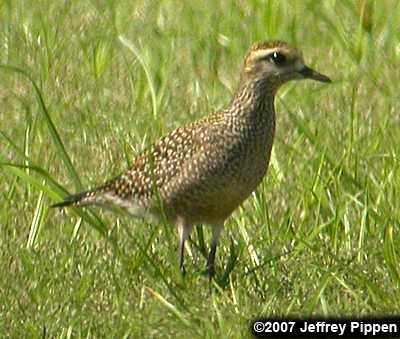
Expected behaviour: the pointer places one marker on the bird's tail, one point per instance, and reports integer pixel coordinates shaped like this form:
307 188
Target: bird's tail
78 199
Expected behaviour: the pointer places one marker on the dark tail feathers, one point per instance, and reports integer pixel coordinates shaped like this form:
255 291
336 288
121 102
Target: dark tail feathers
73 199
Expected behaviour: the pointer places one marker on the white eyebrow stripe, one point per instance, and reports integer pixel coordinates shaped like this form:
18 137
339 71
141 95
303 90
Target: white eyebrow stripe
263 53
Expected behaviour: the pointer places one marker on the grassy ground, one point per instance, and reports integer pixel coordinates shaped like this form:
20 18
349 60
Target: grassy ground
319 237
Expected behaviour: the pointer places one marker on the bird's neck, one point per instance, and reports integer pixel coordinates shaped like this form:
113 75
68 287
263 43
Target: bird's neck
253 102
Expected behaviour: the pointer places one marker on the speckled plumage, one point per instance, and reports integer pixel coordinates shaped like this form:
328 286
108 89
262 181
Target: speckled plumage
201 172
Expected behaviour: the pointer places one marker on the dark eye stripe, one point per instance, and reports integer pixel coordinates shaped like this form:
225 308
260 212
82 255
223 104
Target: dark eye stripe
277 58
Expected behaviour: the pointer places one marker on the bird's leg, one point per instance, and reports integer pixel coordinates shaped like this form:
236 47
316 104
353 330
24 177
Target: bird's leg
216 232
211 260
182 255
184 231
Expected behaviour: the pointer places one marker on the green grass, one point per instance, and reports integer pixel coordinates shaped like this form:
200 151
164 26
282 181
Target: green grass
319 237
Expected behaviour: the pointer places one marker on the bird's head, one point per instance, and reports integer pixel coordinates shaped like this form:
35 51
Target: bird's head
277 62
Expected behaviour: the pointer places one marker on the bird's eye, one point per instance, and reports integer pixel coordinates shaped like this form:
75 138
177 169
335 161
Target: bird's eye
277 58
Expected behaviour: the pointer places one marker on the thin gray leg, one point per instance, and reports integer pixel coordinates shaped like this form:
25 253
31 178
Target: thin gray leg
216 232
184 231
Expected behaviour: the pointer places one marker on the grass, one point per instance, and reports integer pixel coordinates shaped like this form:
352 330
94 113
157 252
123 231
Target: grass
319 237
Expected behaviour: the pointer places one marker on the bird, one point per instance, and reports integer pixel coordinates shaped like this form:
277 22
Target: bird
201 172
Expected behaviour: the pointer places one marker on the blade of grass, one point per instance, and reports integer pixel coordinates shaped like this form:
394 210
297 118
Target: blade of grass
348 178
390 255
255 259
61 152
146 70
37 221
312 303
349 289
162 276
77 227
13 144
200 235
363 231
303 129
234 254
54 191
169 306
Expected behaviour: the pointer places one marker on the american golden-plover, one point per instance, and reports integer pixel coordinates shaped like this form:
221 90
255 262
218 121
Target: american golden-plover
200 173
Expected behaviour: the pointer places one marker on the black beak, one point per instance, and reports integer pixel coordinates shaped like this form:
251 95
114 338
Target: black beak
309 73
